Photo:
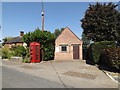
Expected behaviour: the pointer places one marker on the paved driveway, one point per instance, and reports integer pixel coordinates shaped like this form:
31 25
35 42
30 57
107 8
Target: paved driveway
69 74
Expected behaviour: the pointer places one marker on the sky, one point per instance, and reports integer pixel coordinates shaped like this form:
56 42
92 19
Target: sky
26 16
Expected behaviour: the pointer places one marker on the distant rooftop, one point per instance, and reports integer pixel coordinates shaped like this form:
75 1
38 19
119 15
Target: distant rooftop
14 40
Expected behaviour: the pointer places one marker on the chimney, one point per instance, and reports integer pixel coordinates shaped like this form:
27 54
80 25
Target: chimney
21 33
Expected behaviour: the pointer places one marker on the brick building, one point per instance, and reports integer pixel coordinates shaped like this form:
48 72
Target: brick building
68 46
14 41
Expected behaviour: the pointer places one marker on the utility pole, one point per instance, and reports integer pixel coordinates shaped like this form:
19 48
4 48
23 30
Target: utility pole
42 29
42 17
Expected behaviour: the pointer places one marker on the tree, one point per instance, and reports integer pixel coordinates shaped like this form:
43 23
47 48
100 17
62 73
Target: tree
62 29
46 40
58 32
102 22
86 41
85 45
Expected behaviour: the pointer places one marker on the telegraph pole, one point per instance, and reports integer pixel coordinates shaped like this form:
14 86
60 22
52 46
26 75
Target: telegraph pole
42 29
42 17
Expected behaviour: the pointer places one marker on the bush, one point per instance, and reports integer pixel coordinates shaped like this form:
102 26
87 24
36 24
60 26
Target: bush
6 53
19 51
89 56
0 45
49 52
95 50
26 59
27 56
84 53
111 57
0 52
46 40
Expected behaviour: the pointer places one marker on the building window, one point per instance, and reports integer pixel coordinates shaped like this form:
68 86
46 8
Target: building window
64 48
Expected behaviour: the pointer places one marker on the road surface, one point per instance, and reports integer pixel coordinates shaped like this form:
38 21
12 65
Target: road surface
53 74
16 79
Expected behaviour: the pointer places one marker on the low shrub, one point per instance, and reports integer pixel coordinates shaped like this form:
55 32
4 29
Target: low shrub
0 52
27 57
95 49
6 53
26 60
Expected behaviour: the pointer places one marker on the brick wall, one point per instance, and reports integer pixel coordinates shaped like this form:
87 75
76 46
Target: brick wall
13 44
68 38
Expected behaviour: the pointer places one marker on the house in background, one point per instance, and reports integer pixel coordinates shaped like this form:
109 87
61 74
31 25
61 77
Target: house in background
68 46
14 41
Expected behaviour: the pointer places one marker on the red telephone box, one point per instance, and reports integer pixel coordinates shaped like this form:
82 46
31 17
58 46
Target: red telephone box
35 52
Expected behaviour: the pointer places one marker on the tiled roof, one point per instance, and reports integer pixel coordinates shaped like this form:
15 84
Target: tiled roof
15 40
67 36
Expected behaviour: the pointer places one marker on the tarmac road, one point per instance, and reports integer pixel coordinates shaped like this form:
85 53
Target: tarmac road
14 79
53 74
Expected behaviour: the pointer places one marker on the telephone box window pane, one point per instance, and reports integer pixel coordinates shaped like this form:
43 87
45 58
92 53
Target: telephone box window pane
36 52
64 48
36 57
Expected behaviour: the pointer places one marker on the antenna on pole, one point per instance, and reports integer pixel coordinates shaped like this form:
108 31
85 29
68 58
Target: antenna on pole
42 16
42 3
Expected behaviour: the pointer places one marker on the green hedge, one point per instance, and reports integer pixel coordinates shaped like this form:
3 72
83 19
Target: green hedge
95 49
111 57
19 51
49 52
